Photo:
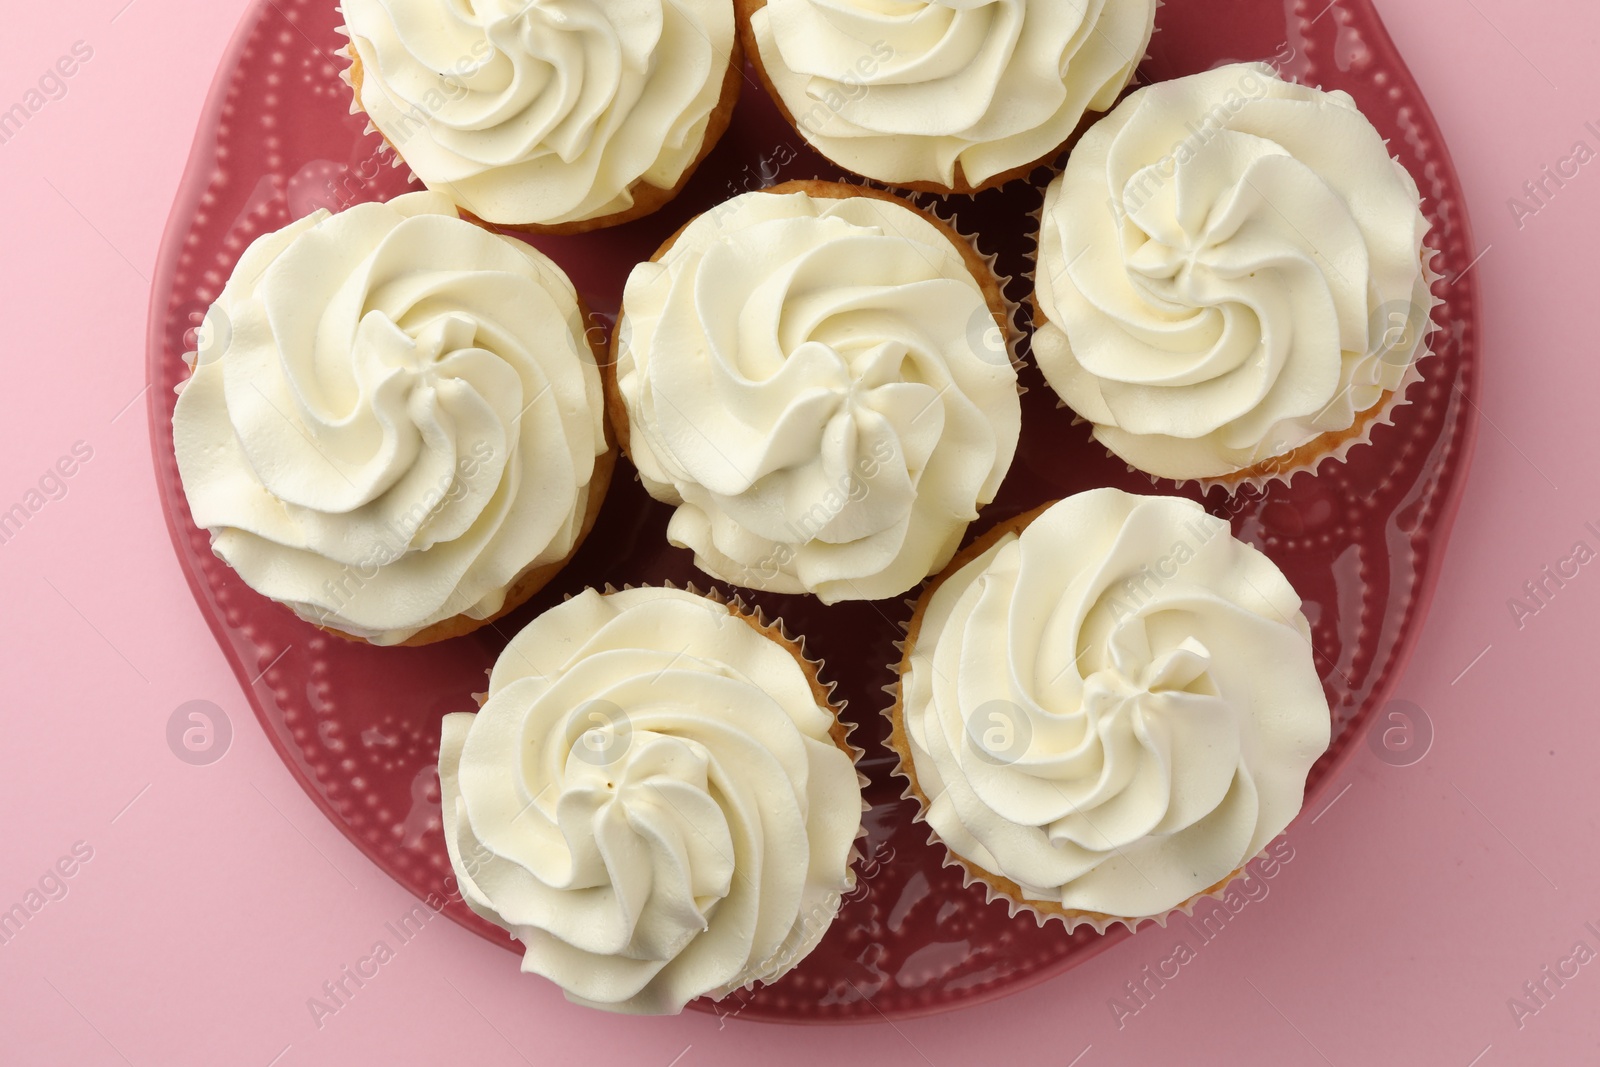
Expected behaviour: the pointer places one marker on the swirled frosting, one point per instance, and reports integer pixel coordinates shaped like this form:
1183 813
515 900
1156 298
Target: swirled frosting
650 800
905 91
1115 709
1230 266
815 383
542 111
392 415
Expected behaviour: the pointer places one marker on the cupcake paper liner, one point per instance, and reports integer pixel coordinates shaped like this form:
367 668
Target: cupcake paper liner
346 52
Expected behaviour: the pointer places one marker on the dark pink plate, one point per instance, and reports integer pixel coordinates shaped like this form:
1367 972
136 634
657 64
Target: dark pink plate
359 726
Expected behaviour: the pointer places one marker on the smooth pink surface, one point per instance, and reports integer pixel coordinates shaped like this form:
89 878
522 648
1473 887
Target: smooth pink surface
220 901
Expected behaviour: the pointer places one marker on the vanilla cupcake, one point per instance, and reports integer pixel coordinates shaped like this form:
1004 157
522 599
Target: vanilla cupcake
395 425
1108 707
555 118
814 376
942 96
656 799
1232 282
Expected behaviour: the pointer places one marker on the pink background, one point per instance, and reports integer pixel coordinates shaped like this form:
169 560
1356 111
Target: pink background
217 900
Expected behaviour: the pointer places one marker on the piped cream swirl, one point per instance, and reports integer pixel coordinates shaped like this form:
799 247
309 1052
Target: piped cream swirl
1231 266
815 383
905 91
650 800
392 415
1115 709
543 111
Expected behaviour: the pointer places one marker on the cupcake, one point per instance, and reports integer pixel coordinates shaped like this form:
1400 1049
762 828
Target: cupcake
554 118
1107 708
656 799
395 426
815 377
944 97
1232 281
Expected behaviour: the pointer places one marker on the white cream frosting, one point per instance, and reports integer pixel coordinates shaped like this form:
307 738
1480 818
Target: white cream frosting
543 111
903 90
650 801
1231 265
394 413
1115 709
814 383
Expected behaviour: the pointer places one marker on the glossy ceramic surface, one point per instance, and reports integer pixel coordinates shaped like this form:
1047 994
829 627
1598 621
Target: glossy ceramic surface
358 726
